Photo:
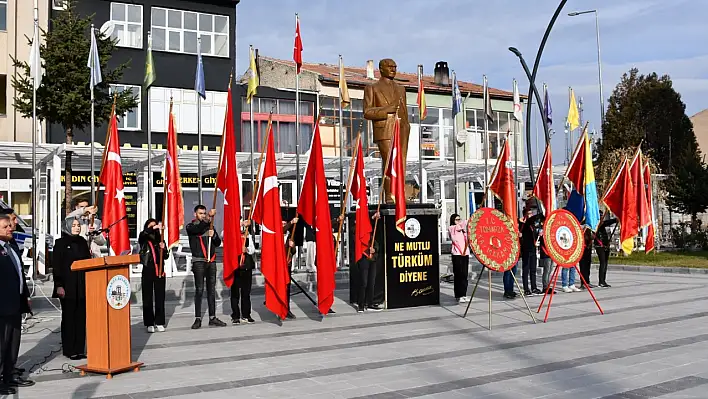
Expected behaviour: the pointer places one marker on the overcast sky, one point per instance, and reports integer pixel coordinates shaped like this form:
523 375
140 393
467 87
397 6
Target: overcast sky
473 36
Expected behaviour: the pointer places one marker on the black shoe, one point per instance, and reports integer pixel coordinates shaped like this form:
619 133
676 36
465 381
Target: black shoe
605 285
74 357
235 321
19 382
536 291
509 295
214 322
290 316
527 293
248 320
19 370
7 390
591 286
374 308
197 324
360 309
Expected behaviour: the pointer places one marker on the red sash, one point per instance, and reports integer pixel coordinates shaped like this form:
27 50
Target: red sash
204 251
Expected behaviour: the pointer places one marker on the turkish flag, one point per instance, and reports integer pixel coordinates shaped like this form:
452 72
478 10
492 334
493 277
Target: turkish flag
651 229
114 193
361 202
227 183
174 214
620 199
273 264
502 182
545 190
313 208
395 173
297 50
636 169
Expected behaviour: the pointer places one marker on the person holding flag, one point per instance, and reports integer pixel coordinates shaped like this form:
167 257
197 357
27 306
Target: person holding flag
153 253
203 241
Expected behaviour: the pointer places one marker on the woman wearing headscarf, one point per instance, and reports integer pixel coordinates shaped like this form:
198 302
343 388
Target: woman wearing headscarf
153 277
70 288
460 256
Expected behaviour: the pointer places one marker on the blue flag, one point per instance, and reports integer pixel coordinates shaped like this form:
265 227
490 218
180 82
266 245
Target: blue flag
547 107
456 96
199 85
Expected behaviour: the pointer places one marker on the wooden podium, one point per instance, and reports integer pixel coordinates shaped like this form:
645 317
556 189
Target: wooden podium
108 341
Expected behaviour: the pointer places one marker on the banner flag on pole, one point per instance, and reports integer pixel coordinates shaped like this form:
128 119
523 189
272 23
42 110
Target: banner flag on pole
422 106
94 62
502 182
253 81
114 192
582 174
456 96
313 208
547 109
651 229
636 170
396 176
149 66
297 48
545 189
363 227
174 219
518 113
343 88
199 84
620 199
35 60
573 114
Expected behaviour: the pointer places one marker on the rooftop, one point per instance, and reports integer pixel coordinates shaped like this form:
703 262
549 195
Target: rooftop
356 77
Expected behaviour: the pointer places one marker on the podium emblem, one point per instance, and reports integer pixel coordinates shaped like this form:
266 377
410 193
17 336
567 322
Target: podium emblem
118 292
412 228
493 239
563 238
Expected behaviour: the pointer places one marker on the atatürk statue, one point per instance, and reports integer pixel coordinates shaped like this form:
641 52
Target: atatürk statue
382 99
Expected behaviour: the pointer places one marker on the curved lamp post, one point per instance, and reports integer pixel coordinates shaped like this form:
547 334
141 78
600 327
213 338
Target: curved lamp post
532 84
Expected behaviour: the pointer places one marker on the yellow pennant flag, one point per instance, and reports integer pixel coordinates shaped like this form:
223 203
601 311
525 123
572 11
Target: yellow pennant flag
573 114
252 78
343 89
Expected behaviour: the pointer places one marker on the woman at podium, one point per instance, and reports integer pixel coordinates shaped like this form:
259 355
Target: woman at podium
70 288
153 277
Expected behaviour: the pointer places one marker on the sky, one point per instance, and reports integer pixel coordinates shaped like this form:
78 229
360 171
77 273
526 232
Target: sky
473 37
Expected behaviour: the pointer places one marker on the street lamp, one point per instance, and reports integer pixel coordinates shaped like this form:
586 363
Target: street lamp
599 59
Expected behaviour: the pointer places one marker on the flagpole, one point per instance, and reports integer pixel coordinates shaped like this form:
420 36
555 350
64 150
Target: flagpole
199 130
454 140
93 128
516 152
297 120
149 144
161 267
37 70
420 140
341 153
253 136
486 135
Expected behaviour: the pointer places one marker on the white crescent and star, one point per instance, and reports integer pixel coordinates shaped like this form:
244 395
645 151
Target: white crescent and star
269 183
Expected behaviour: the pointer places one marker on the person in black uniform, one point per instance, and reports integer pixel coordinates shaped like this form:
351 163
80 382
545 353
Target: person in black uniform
70 288
243 280
153 275
602 247
529 228
586 259
14 301
203 241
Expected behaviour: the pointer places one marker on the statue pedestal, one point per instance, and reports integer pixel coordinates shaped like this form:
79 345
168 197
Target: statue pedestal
407 268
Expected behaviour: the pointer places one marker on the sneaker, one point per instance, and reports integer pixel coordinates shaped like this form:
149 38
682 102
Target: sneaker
509 295
151 329
290 316
360 309
528 293
197 323
160 328
215 322
247 320
567 289
235 321
605 285
537 292
374 308
574 288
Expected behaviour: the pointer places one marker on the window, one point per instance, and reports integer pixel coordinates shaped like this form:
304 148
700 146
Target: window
284 124
3 95
177 31
185 110
3 14
59 5
128 22
131 120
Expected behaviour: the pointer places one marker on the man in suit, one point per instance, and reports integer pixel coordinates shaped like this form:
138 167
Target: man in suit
14 301
381 99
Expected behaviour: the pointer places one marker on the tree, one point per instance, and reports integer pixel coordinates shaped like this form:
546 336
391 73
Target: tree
688 188
646 107
64 96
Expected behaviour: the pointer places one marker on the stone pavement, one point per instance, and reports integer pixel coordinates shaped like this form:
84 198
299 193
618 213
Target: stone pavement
651 342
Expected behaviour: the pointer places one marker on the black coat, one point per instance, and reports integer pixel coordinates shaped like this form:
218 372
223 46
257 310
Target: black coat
12 303
147 237
198 240
67 250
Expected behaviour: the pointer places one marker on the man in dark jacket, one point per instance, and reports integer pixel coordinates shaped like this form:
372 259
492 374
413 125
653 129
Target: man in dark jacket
529 228
14 301
203 241
602 247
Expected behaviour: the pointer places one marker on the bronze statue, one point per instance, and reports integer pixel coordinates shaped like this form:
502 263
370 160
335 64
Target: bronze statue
382 99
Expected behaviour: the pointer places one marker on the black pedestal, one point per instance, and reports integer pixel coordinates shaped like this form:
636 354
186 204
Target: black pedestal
407 270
